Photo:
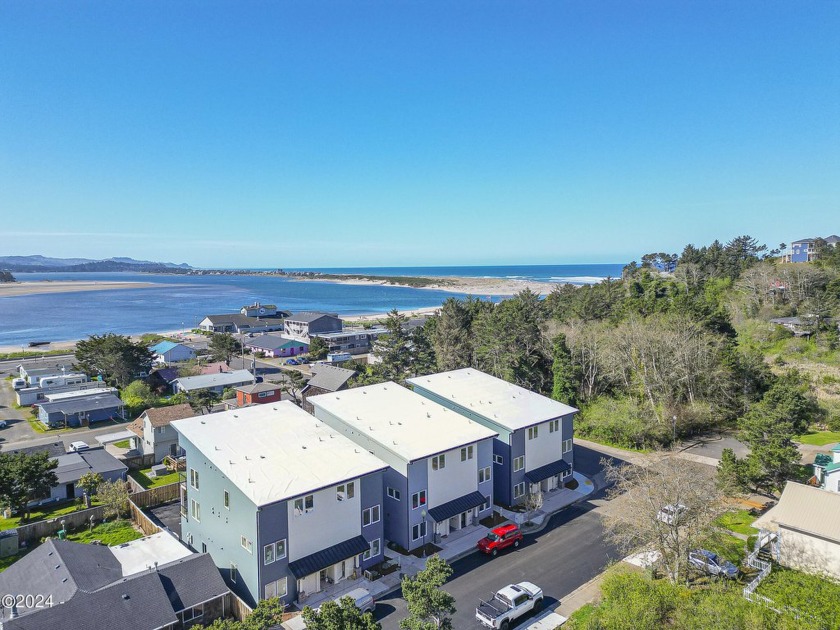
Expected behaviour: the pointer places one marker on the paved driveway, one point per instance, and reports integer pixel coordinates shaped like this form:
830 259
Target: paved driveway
713 445
562 557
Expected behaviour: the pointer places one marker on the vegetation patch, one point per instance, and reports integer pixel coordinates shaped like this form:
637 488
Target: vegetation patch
739 522
144 478
53 510
110 534
811 594
819 438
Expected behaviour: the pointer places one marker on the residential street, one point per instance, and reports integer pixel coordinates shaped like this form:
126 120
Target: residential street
562 557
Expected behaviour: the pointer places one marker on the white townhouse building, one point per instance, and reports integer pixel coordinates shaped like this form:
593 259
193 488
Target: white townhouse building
283 503
533 450
440 463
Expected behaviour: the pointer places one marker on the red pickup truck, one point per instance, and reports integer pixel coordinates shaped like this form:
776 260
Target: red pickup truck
500 538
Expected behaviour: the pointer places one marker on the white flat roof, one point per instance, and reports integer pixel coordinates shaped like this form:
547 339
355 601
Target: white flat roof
405 423
508 405
141 554
276 451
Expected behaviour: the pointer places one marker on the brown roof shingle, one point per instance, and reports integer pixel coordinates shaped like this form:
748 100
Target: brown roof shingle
162 416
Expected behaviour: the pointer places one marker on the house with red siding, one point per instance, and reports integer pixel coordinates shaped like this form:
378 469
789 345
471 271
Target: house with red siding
257 394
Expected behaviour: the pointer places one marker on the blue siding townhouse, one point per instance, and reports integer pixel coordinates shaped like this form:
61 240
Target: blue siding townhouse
439 478
534 448
284 504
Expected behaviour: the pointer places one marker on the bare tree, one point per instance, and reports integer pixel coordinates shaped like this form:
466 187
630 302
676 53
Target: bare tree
667 506
533 502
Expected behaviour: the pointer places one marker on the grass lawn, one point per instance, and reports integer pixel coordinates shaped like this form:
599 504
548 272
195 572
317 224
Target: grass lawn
52 510
113 533
142 477
123 444
819 438
726 546
5 563
811 594
738 522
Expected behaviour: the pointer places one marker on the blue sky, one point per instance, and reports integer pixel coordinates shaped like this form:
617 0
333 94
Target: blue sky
313 133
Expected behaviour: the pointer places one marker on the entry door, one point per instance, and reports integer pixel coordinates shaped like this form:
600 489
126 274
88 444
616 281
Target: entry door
463 519
71 491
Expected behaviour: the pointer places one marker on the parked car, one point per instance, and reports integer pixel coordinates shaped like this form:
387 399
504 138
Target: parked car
303 360
509 604
712 564
670 514
292 362
78 446
363 599
500 538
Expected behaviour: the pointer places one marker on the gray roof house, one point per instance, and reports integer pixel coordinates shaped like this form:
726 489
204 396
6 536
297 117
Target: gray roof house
325 379
80 411
153 434
303 325
238 323
71 467
285 505
535 444
89 587
216 382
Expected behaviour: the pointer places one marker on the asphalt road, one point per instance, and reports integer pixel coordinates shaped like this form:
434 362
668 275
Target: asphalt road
565 555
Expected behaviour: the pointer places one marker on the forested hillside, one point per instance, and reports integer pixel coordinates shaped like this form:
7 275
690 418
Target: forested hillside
655 357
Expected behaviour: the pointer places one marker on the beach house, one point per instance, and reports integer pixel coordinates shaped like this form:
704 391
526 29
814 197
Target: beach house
439 477
276 345
284 504
302 326
533 449
171 352
216 382
153 432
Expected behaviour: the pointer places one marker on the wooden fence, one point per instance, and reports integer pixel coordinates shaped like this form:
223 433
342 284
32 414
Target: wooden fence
237 608
146 525
156 496
74 520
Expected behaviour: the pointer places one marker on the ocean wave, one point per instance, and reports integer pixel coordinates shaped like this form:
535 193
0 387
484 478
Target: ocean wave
577 279
516 277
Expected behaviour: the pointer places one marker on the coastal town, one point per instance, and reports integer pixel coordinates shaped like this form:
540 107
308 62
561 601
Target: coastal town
280 461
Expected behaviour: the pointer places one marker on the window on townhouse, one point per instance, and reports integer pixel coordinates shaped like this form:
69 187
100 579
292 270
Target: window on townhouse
373 551
418 531
246 544
234 572
485 505
345 491
227 499
190 539
567 445
467 453
304 504
418 499
275 589
394 494
438 462
483 474
553 426
203 547
533 432
195 510
519 490
274 551
194 478
498 459
370 516
518 463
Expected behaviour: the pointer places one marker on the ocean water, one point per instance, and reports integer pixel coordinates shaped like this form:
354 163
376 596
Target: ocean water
182 301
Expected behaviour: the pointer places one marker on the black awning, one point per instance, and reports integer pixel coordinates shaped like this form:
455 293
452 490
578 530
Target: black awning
549 470
456 506
328 557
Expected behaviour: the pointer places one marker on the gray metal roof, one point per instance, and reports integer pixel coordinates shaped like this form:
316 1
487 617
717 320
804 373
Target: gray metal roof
329 556
220 379
271 342
258 387
307 317
86 403
329 377
72 466
53 450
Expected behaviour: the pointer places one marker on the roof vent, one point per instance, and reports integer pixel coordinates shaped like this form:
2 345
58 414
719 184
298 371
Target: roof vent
428 415
203 422
57 567
395 442
262 456
217 448
125 596
303 446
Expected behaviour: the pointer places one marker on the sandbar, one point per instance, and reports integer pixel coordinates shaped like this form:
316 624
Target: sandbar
16 289
479 287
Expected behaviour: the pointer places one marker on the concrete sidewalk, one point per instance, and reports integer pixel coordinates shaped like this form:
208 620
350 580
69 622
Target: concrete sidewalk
553 501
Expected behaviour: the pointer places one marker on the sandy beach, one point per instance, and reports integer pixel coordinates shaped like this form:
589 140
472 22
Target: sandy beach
14 289
471 286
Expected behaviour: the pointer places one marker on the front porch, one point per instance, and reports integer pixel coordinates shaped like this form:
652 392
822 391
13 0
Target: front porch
330 567
456 515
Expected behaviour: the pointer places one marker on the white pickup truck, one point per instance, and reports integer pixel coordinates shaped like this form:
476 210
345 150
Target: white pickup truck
509 604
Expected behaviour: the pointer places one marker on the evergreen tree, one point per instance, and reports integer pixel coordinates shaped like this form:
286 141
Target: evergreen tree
115 357
429 607
566 373
223 346
451 339
393 349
